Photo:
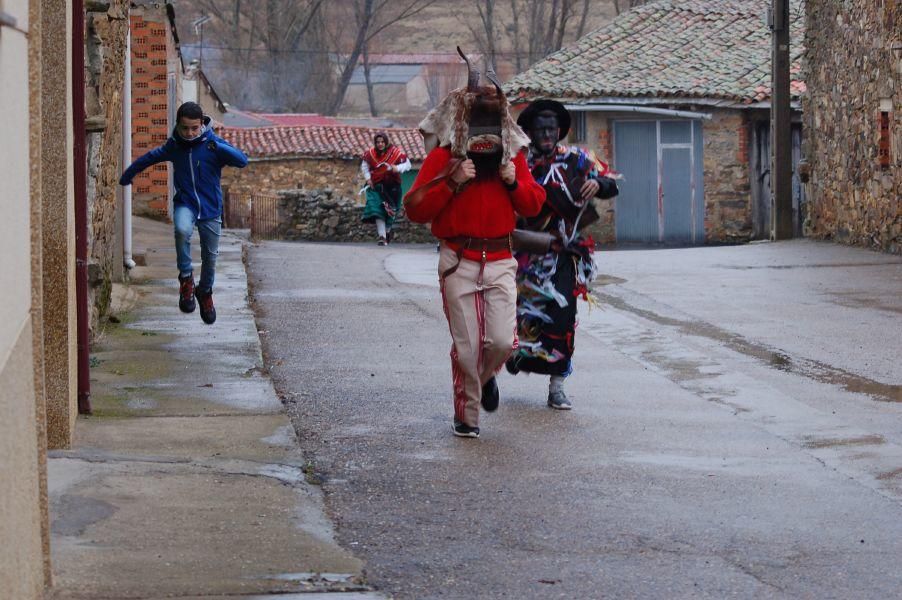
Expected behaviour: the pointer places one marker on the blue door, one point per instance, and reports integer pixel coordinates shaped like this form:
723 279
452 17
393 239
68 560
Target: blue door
661 198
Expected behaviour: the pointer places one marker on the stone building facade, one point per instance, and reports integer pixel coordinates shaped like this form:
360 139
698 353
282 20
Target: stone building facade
678 112
300 172
319 162
853 112
726 174
727 177
156 69
107 30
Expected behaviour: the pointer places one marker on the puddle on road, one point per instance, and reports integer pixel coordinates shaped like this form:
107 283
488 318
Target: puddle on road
811 369
890 475
865 440
603 279
313 577
857 300
805 266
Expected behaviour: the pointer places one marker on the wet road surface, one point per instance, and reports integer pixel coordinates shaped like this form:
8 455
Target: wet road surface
711 452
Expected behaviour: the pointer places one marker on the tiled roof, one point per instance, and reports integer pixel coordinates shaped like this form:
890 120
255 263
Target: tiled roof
320 141
296 119
718 49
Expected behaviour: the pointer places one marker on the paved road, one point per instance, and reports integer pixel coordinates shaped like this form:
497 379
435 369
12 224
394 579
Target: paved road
737 429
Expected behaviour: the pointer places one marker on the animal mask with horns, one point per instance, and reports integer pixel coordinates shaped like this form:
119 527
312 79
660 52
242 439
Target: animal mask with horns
475 122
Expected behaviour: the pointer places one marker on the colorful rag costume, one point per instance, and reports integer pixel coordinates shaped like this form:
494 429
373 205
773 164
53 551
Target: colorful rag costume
548 285
383 198
474 221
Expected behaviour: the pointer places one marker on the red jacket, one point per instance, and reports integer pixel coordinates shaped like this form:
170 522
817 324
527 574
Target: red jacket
484 209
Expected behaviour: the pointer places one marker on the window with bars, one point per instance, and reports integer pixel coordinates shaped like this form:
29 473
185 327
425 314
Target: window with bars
883 150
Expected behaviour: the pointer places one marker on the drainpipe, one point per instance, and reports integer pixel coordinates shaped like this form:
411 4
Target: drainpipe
81 206
637 109
127 152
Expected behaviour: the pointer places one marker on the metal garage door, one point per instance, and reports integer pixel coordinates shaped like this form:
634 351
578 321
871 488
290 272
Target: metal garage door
661 197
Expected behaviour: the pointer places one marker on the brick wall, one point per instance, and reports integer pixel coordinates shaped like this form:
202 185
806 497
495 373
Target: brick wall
152 46
853 77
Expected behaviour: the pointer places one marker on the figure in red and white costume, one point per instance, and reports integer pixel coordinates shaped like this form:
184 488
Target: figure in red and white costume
471 187
381 167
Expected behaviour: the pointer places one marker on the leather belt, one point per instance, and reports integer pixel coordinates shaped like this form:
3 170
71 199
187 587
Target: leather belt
481 244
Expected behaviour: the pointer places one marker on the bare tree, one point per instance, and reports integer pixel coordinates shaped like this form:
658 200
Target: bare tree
536 28
269 52
622 5
371 96
485 32
371 17
440 79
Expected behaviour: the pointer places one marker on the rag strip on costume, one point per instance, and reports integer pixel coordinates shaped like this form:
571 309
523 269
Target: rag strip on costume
548 285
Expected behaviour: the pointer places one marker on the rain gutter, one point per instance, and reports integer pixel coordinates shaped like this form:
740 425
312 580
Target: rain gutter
81 208
127 259
637 109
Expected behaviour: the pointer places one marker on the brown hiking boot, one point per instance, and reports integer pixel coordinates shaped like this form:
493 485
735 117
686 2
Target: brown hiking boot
186 294
207 310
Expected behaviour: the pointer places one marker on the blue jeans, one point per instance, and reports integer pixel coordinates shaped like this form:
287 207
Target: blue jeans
209 229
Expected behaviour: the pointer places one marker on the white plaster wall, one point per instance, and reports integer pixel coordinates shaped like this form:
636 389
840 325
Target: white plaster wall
21 557
15 237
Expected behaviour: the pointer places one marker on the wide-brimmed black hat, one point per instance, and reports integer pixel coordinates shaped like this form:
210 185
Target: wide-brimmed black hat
529 113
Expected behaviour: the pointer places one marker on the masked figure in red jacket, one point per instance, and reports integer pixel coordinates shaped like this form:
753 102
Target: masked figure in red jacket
471 187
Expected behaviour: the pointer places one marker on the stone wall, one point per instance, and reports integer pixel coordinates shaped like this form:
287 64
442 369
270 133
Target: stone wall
598 139
105 57
273 175
853 76
727 178
325 215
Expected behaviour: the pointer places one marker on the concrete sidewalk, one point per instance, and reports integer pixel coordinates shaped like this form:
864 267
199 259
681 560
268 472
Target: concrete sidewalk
187 480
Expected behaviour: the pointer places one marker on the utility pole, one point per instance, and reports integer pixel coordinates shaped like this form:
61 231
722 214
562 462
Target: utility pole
780 124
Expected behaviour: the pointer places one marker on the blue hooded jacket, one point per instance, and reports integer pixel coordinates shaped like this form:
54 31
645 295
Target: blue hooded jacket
197 168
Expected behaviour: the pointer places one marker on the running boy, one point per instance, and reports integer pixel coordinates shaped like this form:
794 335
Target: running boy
197 156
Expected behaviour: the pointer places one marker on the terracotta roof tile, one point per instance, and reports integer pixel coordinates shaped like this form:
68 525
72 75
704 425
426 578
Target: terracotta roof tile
296 119
320 141
717 49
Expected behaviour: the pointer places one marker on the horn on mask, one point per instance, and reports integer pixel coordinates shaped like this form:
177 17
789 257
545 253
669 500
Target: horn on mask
491 76
472 74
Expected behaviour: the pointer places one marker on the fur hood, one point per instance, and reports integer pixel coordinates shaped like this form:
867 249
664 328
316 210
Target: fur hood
447 123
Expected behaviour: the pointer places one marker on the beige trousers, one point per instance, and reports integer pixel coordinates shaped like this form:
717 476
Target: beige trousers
483 323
